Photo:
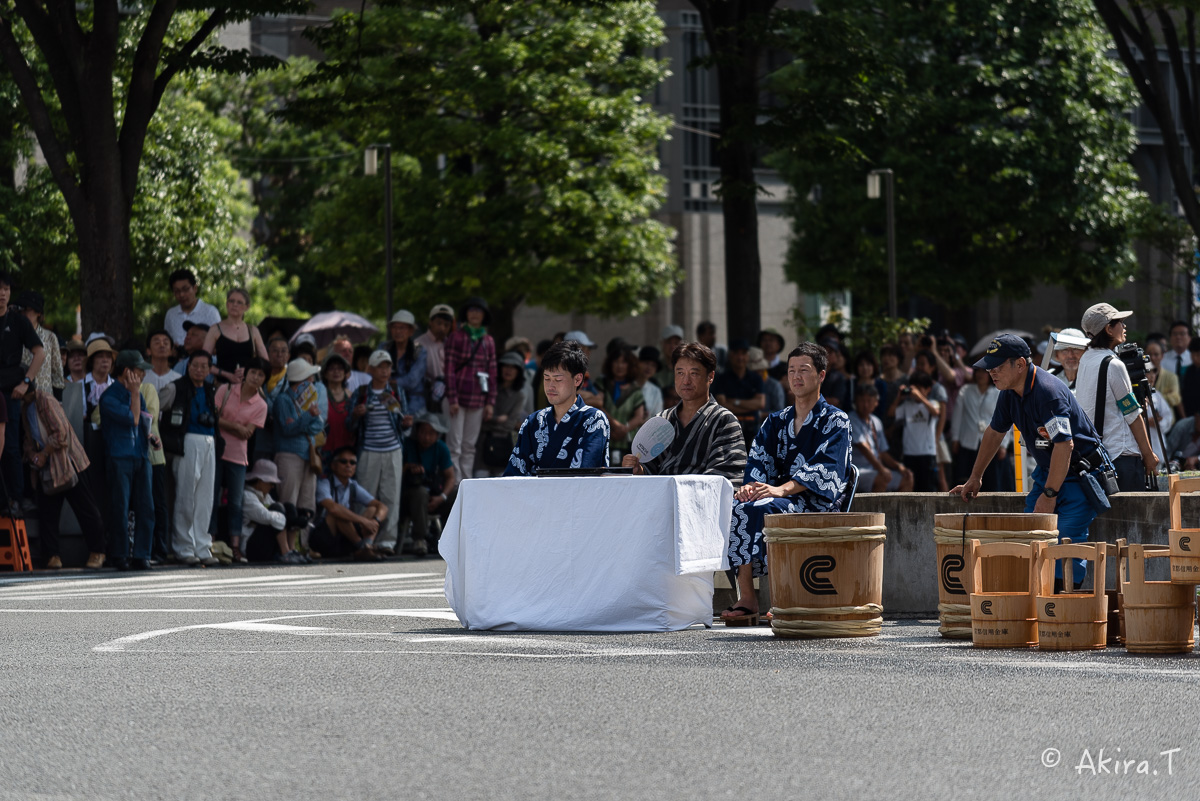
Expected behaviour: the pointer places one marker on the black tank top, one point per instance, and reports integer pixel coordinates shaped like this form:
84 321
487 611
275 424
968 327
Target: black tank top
230 354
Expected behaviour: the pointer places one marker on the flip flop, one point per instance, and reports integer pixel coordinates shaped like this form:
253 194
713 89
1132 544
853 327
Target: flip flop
747 619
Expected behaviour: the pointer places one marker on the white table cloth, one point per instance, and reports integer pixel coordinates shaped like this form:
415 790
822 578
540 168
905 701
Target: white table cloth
604 553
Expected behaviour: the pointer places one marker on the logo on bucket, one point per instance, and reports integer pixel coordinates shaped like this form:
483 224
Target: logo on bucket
810 578
985 607
1050 610
1185 543
952 564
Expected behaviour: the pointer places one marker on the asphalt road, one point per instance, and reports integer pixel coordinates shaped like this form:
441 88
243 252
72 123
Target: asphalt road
356 681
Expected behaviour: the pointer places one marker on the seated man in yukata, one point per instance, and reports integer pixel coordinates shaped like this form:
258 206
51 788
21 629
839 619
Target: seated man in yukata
708 437
568 432
797 463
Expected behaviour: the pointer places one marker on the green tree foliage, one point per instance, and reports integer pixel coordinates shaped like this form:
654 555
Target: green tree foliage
1007 127
524 154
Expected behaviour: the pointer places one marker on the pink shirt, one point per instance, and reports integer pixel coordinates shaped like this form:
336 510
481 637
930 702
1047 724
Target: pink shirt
253 411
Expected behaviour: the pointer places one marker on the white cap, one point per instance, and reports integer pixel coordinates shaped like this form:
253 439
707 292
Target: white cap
581 338
379 357
299 370
403 316
1070 338
671 331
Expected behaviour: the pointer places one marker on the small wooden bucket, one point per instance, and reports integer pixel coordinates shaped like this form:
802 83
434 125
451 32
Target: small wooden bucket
1073 621
826 574
1001 574
1005 619
1184 542
1159 615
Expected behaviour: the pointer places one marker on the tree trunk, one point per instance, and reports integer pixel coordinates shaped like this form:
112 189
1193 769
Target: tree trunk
105 277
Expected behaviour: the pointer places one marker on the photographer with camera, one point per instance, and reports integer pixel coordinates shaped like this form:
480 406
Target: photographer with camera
1106 394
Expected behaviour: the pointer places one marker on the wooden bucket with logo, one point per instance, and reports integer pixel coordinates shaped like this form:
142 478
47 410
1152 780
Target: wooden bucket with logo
1184 542
1073 621
826 574
1005 619
1000 574
1159 615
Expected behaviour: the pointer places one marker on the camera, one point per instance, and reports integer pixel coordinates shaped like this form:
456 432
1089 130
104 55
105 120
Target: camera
206 420
905 390
1137 364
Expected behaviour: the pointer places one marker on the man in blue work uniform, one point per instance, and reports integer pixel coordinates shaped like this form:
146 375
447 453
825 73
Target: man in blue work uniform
1046 412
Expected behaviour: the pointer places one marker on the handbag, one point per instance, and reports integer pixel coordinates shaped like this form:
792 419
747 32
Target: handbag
48 485
314 458
497 447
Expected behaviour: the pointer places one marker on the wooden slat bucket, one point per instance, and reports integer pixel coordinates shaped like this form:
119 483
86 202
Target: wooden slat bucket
1184 542
1005 619
1159 615
1073 621
1000 574
826 574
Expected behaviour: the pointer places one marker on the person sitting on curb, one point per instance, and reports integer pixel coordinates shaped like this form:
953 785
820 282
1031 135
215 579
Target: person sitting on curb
264 520
429 484
350 516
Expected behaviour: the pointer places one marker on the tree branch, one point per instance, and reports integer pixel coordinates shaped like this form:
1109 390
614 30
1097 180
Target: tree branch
63 62
1187 113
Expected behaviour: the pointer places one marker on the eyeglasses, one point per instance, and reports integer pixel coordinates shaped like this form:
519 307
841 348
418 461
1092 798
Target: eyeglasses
350 462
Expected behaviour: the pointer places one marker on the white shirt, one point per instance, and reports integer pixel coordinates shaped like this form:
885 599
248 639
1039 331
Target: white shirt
869 433
255 513
1171 357
972 414
160 381
1120 406
201 313
920 429
1166 420
651 395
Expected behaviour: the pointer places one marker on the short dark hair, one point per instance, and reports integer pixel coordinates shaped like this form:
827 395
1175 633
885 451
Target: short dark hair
705 327
543 346
303 347
156 332
812 350
1103 339
568 355
344 449
922 380
866 389
256 363
927 355
1179 323
892 349
1194 345
181 275
7 278
199 352
697 352
629 355
869 358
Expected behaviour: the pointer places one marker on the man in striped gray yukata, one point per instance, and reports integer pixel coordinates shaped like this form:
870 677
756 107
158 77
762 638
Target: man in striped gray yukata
708 437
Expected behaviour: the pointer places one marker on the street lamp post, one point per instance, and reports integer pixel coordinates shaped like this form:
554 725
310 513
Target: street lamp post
873 193
370 167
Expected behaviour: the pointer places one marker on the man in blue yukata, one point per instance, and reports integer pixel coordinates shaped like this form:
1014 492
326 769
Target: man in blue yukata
797 463
567 433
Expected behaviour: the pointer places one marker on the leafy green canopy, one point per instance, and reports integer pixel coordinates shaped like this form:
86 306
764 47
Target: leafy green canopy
524 154
1007 127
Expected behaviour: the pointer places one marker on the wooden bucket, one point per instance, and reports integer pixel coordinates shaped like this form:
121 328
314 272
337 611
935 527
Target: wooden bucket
1159 615
826 574
1073 621
1184 542
1005 619
1000 574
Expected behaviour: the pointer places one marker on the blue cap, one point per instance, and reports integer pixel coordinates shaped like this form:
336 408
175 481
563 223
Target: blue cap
1001 349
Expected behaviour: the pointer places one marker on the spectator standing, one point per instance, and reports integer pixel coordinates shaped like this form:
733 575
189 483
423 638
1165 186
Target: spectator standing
878 470
970 419
1105 394
188 309
772 343
233 342
836 386
952 374
706 335
56 455
1179 357
1069 347
278 356
588 390
739 390
408 363
75 354
866 371
194 335
380 417
773 394
920 414
339 433
1190 388
470 382
50 377
890 359
1165 384
349 517
152 405
1160 422
343 347
298 416
429 483
650 361
159 349
241 411
671 338
189 429
126 428
83 404
512 407
441 323
17 334
623 400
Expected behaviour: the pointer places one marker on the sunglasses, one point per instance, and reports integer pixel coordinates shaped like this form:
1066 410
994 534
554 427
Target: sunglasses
347 461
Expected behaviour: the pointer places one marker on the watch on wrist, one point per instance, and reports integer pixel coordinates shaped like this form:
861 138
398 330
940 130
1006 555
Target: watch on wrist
26 380
1049 493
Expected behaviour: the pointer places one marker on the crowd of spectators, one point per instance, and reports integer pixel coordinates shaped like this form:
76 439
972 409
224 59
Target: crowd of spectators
212 441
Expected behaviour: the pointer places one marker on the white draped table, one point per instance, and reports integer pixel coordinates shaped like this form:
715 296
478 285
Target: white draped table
603 553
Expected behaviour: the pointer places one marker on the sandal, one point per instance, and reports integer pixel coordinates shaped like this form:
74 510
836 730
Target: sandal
747 618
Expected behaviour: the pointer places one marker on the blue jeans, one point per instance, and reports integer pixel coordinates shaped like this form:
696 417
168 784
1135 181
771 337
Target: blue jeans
233 478
131 486
10 462
1074 512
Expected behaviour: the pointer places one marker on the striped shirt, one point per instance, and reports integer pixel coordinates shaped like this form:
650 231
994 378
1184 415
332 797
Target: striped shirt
710 444
379 434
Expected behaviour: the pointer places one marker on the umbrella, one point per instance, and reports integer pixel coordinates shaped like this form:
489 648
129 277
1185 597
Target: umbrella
982 344
284 326
327 326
